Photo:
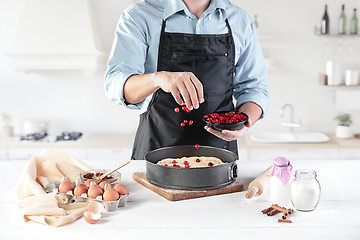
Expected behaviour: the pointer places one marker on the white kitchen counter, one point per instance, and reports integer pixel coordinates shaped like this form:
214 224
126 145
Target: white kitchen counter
230 216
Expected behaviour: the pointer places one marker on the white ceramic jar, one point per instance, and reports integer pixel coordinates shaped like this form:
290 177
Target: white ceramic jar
305 190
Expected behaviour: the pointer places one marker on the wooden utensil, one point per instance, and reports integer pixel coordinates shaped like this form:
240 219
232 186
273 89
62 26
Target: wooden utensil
259 184
101 177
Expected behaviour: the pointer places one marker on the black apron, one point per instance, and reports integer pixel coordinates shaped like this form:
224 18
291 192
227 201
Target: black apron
211 58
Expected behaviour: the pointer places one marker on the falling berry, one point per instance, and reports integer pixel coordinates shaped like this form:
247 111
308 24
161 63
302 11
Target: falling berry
177 109
182 124
197 146
210 164
191 122
185 121
187 110
183 108
197 160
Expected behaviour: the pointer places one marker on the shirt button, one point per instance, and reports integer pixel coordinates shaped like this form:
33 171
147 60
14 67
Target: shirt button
187 17
209 18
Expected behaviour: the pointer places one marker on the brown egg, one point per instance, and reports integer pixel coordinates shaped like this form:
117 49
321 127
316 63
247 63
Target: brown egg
102 184
91 217
66 186
80 189
95 207
121 189
110 194
94 190
87 183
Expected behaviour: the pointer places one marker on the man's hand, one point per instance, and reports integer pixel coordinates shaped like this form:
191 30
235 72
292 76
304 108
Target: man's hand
253 111
227 135
184 86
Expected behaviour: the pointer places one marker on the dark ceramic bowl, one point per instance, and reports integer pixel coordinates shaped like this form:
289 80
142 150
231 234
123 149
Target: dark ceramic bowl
228 126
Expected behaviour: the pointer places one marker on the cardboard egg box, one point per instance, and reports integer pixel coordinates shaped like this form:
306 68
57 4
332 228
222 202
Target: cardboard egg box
110 206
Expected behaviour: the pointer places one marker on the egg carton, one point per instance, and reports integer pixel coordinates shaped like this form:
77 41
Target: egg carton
110 206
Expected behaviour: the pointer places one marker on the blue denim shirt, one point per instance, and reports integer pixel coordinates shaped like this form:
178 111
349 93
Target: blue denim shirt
135 48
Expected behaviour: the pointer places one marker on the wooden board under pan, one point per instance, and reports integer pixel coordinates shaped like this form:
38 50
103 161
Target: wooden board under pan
177 195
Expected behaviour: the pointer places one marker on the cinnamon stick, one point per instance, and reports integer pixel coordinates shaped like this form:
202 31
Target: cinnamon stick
286 220
267 210
273 212
282 209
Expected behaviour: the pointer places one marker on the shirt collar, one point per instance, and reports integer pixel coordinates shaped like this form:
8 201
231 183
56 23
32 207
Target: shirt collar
173 6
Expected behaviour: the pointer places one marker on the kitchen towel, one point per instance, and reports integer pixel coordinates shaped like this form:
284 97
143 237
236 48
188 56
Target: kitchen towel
48 208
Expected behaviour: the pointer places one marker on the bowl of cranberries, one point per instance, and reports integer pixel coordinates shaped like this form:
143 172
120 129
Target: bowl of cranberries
226 120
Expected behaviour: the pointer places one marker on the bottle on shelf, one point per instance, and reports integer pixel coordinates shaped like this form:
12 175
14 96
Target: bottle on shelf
325 22
256 22
342 21
354 23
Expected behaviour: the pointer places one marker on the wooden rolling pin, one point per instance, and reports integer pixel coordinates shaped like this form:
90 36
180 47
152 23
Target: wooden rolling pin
257 186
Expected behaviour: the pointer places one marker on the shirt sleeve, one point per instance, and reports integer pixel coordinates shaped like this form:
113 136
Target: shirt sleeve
127 58
251 74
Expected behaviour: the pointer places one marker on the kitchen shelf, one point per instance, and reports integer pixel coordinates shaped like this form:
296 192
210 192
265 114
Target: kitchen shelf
338 35
333 35
341 87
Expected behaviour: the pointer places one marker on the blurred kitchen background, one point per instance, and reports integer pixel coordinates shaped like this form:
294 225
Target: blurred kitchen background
59 79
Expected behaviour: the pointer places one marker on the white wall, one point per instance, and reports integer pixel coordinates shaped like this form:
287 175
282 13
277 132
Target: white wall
72 100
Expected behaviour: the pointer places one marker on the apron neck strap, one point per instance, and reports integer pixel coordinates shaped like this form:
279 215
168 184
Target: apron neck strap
228 26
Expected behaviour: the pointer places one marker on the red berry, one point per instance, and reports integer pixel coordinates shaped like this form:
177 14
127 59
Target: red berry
197 160
187 166
197 146
225 118
191 122
177 110
185 121
165 165
174 165
210 164
186 162
184 108
174 161
182 124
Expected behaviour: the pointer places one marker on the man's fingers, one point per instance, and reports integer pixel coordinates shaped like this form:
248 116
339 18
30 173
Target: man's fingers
176 95
235 133
199 87
227 135
219 134
185 94
192 92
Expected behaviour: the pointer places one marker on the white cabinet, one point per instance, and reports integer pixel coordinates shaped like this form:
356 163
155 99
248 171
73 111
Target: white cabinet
3 154
121 154
78 153
349 153
83 154
22 153
290 153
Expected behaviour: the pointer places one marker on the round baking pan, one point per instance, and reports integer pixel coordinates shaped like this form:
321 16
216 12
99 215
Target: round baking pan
191 178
